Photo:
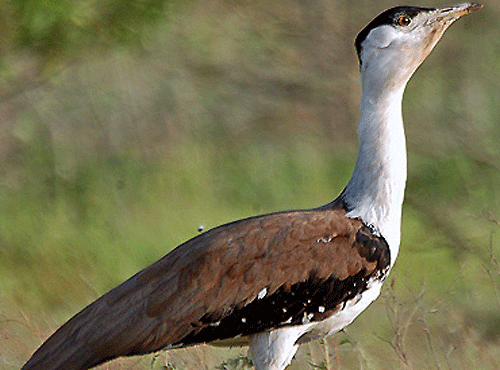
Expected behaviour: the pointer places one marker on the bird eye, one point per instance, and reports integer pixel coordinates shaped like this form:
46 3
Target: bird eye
404 20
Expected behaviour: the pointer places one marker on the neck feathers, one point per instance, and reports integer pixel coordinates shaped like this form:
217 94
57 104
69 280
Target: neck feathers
376 189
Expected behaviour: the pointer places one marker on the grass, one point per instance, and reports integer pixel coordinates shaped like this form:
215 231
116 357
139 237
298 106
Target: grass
66 241
232 110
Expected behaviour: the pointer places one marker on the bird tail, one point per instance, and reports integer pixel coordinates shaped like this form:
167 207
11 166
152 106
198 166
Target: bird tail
69 347
104 330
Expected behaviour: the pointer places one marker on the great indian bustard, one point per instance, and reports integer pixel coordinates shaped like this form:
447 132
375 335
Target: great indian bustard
281 279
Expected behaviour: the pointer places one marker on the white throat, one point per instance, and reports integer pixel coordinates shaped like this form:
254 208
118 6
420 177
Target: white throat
376 189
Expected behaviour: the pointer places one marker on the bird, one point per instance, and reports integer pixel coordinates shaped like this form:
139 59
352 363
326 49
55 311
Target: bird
277 280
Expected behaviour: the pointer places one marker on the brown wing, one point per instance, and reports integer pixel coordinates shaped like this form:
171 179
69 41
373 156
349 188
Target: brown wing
234 280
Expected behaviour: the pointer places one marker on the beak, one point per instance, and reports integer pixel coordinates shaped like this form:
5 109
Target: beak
449 14
440 19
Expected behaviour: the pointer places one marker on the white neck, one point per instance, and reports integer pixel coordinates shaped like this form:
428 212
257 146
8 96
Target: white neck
376 189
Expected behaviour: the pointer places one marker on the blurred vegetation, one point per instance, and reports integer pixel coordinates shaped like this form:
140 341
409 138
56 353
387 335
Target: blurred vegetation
61 28
127 124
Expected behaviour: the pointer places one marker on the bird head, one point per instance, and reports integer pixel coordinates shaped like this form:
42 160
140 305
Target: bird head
392 46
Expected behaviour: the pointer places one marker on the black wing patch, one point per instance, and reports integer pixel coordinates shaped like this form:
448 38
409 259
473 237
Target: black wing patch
312 300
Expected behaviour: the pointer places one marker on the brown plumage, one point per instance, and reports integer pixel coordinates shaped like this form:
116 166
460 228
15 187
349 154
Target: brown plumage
166 305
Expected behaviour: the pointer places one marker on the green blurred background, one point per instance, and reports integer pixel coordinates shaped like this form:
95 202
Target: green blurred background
127 124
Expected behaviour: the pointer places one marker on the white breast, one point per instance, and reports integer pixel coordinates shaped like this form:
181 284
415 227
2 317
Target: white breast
274 350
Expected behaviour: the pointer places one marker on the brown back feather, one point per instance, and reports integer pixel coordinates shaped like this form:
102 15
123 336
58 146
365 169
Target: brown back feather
181 299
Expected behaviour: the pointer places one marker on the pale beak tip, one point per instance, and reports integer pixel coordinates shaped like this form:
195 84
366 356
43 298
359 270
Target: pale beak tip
474 6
